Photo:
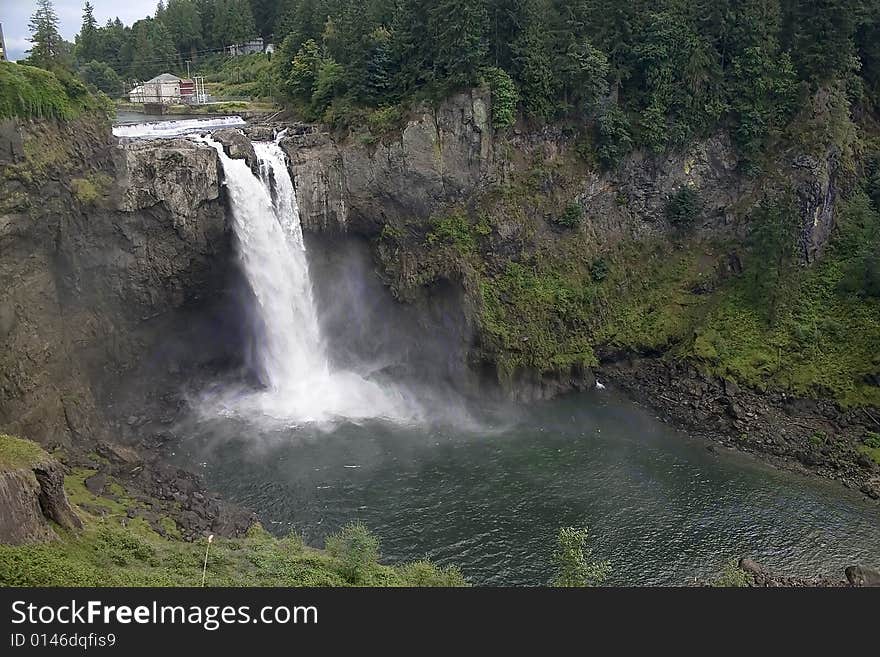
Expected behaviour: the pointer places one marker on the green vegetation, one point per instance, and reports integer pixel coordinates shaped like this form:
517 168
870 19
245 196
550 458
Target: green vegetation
537 318
106 553
732 576
453 230
504 97
247 76
638 73
575 562
810 330
28 92
89 191
571 217
684 206
17 453
115 550
871 446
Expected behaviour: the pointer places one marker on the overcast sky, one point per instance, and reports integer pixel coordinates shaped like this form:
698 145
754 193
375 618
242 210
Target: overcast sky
15 14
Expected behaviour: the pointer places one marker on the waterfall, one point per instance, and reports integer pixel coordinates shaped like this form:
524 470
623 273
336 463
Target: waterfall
300 383
175 128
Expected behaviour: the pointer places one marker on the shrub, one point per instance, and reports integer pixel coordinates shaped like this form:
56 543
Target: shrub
504 97
599 270
683 206
732 576
386 119
574 560
424 573
356 548
613 140
455 230
571 217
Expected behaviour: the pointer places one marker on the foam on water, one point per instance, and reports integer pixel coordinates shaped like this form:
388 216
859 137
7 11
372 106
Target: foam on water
160 129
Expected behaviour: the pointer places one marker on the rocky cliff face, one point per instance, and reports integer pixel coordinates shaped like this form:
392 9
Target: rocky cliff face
448 155
441 156
104 247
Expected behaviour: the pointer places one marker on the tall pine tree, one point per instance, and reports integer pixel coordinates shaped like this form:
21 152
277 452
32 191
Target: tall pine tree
47 50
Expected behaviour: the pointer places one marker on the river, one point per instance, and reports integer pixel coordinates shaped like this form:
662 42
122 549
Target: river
660 507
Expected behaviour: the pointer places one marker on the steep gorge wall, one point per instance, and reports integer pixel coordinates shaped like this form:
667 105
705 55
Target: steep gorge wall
105 250
448 160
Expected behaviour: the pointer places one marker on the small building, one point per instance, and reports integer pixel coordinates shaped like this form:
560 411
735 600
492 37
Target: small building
164 89
249 48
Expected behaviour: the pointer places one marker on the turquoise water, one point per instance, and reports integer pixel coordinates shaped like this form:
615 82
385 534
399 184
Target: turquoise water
660 506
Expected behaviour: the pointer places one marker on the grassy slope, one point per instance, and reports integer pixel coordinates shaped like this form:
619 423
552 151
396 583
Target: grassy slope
16 453
27 92
114 550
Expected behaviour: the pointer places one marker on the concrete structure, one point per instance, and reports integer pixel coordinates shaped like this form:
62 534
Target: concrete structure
249 48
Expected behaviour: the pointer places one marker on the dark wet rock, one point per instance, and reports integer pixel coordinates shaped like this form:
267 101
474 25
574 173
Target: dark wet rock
238 146
751 566
862 576
793 433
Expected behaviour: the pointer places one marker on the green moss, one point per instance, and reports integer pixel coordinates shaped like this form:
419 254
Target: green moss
16 453
871 452
454 230
84 190
732 576
535 317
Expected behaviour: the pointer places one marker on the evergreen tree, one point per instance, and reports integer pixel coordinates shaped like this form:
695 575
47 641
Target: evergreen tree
411 45
152 49
507 18
457 29
867 39
47 43
207 10
233 22
114 47
182 19
87 42
102 77
300 20
761 79
822 39
265 13
532 62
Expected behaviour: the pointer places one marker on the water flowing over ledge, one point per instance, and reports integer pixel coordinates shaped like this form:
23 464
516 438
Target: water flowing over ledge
300 385
161 129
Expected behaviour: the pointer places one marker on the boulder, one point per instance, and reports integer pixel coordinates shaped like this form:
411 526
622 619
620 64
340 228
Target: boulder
237 146
862 576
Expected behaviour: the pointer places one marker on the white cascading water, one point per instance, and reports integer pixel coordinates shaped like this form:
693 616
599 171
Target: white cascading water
175 128
300 384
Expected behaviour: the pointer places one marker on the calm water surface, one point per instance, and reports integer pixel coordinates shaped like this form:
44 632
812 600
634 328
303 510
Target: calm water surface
661 507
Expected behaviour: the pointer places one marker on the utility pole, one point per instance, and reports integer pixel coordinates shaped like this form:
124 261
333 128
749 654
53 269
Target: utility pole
187 70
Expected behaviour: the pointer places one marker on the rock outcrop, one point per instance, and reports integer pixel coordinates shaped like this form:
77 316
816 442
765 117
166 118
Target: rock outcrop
238 146
31 494
441 156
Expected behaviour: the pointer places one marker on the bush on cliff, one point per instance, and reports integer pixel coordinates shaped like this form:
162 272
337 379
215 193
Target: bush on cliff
27 92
